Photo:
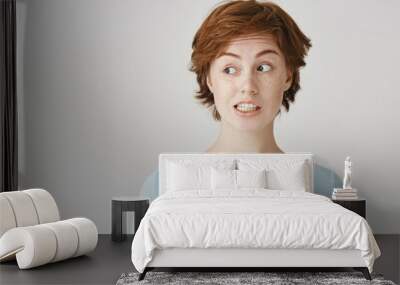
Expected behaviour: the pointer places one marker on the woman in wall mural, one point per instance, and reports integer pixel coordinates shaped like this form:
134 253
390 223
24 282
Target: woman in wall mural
247 57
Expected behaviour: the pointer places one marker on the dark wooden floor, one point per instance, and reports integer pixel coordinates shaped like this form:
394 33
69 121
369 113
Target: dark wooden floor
102 266
111 259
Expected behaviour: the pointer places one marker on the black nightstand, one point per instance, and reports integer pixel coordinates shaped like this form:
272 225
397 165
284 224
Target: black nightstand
137 204
358 206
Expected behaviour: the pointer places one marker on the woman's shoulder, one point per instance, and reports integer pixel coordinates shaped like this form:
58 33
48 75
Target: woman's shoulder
325 180
152 177
150 185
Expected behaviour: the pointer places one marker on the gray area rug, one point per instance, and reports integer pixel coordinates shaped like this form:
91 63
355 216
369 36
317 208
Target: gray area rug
228 278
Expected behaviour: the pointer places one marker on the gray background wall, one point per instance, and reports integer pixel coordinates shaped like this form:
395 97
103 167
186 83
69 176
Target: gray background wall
104 87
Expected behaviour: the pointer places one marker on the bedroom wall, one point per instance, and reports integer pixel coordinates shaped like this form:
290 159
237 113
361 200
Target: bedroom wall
104 87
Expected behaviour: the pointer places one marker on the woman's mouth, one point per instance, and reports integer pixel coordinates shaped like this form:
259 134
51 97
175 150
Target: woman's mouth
245 110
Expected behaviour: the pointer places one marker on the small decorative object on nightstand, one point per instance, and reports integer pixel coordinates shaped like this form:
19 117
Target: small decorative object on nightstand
347 192
137 204
347 173
358 206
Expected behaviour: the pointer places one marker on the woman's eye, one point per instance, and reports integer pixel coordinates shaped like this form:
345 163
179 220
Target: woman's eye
229 70
264 67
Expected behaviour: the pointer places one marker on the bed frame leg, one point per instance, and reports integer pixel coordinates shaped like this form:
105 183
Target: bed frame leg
364 271
143 274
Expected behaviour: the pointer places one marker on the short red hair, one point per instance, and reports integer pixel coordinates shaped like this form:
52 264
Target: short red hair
241 18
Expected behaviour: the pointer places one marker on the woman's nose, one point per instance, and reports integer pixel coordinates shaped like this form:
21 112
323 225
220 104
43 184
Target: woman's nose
251 92
249 85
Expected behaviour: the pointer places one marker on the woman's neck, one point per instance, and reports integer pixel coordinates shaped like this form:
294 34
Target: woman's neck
231 140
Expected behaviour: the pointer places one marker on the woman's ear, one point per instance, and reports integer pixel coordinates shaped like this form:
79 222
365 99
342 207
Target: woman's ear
288 81
209 85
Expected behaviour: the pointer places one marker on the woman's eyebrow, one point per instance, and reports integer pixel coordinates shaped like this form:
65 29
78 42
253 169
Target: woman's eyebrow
266 51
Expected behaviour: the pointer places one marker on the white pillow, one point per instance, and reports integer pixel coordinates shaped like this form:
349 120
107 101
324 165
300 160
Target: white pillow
281 174
288 179
183 175
223 179
251 178
236 179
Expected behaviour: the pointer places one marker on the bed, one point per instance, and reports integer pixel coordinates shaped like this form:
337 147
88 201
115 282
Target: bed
247 210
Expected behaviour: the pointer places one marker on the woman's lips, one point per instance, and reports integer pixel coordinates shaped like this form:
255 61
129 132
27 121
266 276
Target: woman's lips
247 114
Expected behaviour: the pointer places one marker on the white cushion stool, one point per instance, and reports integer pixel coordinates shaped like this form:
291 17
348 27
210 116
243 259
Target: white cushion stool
31 230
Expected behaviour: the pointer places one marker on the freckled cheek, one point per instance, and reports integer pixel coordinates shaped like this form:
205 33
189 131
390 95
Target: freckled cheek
272 97
222 96
225 89
271 90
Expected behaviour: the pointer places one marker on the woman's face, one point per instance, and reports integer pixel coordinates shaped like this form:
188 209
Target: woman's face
250 69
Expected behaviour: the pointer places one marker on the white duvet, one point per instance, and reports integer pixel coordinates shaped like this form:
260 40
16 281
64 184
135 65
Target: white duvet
250 218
